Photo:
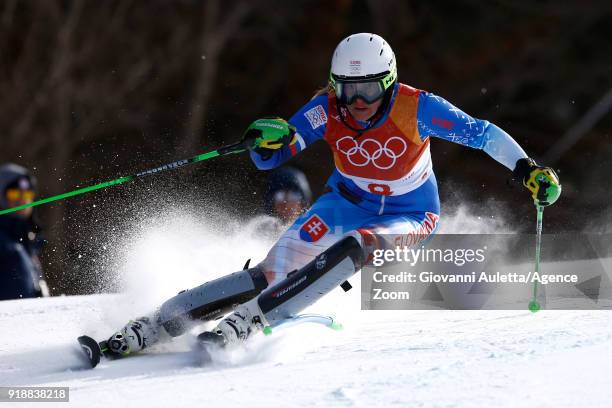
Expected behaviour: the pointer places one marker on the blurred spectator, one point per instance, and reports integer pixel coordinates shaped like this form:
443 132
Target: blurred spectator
20 270
288 194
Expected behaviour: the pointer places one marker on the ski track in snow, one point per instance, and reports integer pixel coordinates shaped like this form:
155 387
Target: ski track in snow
381 358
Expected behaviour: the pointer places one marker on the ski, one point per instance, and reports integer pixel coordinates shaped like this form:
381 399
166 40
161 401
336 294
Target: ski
209 342
327 321
94 351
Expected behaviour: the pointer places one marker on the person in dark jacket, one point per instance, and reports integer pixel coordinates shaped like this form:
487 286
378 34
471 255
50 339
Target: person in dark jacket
288 194
20 270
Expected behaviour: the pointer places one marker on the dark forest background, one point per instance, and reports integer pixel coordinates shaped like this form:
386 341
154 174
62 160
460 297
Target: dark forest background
94 90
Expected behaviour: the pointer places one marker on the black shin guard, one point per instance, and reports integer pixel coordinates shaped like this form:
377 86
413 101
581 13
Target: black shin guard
305 286
211 300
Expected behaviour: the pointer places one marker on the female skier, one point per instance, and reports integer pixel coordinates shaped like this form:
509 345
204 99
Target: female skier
383 193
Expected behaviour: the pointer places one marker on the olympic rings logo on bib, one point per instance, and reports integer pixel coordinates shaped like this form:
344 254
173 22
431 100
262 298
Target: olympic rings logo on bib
369 151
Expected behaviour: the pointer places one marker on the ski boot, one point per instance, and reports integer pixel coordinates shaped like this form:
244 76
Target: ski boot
233 329
133 337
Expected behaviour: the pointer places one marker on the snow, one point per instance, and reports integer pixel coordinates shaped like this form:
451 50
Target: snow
381 358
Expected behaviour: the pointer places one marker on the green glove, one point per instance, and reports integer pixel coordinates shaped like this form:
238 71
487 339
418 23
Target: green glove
543 182
264 136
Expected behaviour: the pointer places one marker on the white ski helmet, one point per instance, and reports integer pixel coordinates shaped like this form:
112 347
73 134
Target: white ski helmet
363 58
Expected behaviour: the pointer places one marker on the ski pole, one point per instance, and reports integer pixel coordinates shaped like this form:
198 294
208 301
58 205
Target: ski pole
534 306
222 151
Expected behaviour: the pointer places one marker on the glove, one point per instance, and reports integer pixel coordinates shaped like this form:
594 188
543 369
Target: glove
543 182
264 136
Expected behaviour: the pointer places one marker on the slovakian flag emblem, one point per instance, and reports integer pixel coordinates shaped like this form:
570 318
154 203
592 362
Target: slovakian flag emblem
314 229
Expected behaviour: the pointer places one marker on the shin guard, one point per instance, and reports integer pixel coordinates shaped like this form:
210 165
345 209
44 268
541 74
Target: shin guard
305 286
211 300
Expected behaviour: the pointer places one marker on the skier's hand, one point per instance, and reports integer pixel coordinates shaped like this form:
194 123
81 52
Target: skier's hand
264 136
542 182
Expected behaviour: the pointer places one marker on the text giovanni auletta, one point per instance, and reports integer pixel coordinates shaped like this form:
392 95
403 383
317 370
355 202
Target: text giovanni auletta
457 257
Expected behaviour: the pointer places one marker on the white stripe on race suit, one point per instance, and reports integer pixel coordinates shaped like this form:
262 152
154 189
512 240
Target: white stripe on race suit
300 141
382 205
405 184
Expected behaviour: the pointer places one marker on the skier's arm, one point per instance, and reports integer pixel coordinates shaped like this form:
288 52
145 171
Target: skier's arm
501 146
309 123
438 118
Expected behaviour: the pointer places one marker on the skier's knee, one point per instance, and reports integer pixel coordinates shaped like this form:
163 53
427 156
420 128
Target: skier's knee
305 286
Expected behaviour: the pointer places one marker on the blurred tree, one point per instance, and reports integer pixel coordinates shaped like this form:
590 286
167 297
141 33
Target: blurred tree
215 34
95 90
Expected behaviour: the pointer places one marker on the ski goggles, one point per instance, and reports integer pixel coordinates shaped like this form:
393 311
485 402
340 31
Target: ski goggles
368 88
369 91
17 194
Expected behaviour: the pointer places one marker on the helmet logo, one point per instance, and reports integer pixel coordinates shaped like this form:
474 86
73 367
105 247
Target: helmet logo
383 157
355 67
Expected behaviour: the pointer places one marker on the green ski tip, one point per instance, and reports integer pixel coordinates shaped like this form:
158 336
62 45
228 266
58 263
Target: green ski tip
534 306
336 326
267 330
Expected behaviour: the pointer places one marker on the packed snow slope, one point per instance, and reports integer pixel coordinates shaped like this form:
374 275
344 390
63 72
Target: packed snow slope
381 358
402 358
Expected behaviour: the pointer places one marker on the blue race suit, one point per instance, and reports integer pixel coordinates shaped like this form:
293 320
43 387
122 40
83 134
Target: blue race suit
383 184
